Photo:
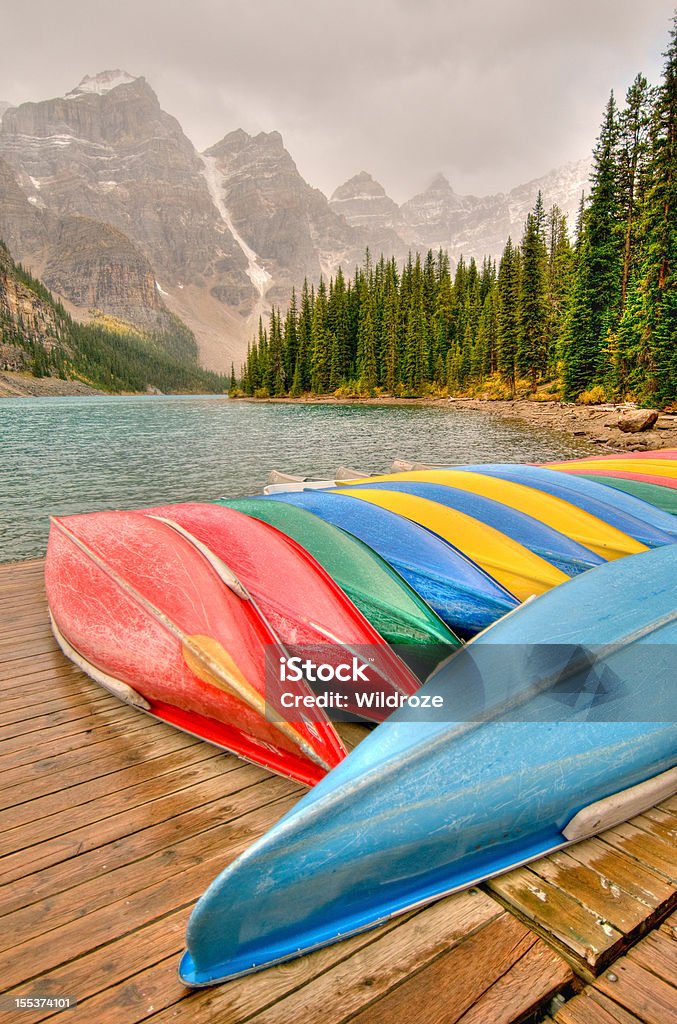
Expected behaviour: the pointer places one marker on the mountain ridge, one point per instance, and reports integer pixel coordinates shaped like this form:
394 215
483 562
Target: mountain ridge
215 237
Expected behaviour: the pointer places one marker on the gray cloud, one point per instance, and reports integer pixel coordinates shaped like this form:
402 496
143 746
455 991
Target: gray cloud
491 94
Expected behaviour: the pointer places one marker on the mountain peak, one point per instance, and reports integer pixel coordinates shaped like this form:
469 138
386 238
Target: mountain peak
361 184
101 83
440 183
272 139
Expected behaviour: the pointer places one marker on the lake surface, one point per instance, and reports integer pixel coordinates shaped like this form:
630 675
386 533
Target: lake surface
64 455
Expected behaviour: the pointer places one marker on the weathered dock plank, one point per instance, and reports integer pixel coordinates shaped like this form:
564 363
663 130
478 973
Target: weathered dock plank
640 988
596 899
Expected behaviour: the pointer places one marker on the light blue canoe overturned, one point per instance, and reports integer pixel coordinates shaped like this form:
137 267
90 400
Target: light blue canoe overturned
459 591
558 722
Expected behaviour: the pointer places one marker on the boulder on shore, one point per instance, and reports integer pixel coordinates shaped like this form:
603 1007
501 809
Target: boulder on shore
638 419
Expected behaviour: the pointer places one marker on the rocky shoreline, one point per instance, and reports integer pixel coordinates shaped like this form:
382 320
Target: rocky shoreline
22 385
598 424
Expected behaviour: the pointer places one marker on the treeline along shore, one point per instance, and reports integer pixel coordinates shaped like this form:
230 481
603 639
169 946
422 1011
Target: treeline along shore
590 319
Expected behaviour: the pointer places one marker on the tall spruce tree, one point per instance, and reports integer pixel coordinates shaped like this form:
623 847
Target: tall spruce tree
633 151
304 339
595 301
290 343
560 263
320 347
508 319
658 278
532 342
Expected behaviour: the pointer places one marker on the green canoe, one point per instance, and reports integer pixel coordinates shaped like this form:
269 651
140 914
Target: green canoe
662 497
384 598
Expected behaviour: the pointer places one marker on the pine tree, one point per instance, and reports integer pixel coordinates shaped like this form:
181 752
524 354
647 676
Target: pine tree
634 131
389 341
595 302
290 344
560 264
532 343
304 340
658 281
338 327
508 319
415 369
276 375
366 343
485 352
319 343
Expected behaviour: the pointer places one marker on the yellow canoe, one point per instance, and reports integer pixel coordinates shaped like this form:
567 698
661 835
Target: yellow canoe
522 572
655 467
561 515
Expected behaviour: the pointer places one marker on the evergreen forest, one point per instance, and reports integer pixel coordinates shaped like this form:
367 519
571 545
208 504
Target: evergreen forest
584 312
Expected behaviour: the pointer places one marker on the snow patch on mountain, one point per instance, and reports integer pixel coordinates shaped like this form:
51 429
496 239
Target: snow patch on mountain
257 274
101 83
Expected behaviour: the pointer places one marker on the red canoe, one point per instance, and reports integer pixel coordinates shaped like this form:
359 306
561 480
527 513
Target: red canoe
152 616
307 610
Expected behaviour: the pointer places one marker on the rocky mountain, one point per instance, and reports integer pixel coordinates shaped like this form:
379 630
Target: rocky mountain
468 225
363 202
89 264
27 319
109 153
98 267
39 337
104 197
226 232
285 228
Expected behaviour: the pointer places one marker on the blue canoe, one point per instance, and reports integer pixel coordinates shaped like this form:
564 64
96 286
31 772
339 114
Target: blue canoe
633 516
459 591
556 548
552 731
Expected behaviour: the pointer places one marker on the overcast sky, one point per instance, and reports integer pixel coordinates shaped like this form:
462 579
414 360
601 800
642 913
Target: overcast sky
491 94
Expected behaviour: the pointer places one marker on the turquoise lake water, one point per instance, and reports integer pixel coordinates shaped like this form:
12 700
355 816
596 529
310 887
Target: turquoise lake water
64 455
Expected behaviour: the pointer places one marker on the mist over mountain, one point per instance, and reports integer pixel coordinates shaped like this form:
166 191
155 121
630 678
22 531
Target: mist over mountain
105 198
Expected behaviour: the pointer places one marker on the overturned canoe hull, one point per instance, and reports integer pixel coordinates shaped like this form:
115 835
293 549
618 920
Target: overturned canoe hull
158 620
663 498
632 516
463 595
656 466
545 740
640 475
306 608
560 551
513 565
382 595
585 529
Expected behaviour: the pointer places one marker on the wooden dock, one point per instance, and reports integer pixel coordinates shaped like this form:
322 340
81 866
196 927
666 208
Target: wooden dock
112 825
